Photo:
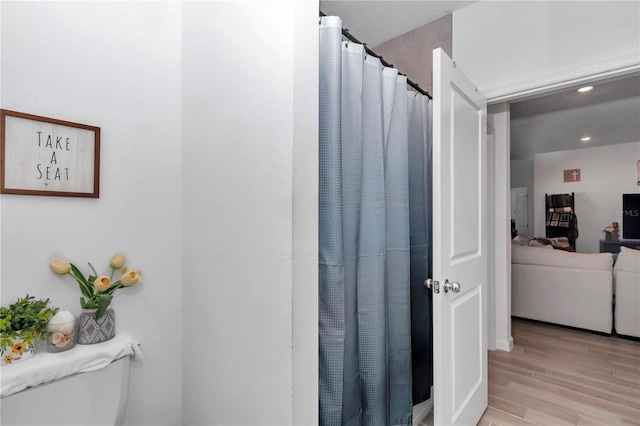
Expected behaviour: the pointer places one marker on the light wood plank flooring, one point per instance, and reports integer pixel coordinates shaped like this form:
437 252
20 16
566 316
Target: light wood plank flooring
558 376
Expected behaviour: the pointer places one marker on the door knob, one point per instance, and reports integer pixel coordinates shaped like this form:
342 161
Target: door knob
430 283
454 286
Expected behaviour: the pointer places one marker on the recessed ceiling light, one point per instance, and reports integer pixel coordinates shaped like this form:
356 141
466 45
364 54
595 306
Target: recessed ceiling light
586 139
585 89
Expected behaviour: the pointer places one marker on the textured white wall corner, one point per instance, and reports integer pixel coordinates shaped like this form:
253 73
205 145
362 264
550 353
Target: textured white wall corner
249 120
606 172
243 121
515 47
305 213
116 66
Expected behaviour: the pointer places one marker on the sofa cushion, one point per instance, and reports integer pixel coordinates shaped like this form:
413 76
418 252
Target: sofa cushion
521 240
561 259
628 260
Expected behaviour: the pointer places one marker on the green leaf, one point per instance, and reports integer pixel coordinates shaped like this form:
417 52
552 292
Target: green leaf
87 304
113 287
77 274
26 318
5 323
85 287
6 340
103 303
28 338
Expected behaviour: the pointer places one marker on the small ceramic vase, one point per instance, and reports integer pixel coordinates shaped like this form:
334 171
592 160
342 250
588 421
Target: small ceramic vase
92 330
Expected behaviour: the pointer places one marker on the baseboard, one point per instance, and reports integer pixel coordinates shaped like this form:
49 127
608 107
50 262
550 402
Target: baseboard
505 345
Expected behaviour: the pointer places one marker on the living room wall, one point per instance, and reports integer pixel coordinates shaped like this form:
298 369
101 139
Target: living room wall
606 172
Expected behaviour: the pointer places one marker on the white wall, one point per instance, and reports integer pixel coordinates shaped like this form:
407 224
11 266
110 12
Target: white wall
514 46
250 199
305 213
208 183
116 66
606 172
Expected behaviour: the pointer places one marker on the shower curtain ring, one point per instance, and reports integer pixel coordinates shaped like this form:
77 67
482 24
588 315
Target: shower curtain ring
365 50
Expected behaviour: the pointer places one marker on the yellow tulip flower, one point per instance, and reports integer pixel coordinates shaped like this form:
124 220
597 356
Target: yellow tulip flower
131 277
117 261
102 283
60 267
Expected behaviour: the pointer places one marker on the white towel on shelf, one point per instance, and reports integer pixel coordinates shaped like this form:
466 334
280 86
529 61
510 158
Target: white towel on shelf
45 367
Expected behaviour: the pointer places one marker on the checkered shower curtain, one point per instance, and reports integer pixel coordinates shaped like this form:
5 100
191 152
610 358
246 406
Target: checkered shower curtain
364 284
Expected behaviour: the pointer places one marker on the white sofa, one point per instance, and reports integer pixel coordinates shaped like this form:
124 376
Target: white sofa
626 272
573 289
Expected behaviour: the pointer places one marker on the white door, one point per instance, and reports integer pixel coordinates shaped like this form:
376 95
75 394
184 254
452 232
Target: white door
519 208
460 246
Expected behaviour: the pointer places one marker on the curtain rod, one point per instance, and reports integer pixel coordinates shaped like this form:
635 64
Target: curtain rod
347 34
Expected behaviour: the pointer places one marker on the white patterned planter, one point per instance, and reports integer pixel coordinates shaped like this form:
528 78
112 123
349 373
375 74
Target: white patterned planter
20 349
92 330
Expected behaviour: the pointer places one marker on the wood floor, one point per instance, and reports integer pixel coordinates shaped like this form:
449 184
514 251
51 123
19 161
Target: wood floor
558 376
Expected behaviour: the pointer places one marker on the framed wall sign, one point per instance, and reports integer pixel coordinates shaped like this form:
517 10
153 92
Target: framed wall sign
572 175
45 156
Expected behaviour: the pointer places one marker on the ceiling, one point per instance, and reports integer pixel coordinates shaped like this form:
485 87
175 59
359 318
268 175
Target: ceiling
609 114
374 22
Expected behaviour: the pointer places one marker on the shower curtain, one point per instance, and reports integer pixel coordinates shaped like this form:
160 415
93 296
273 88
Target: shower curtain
420 214
364 255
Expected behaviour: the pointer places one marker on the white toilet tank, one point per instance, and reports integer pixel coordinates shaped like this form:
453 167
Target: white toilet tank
94 398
